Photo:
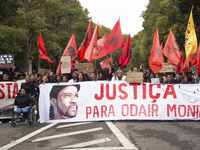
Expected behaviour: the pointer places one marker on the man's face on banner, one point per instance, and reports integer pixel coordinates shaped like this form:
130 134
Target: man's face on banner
67 102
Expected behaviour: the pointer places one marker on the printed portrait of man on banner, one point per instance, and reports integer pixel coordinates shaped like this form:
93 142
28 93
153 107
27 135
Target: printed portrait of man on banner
64 101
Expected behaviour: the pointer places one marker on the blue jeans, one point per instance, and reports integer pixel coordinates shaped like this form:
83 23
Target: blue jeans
23 110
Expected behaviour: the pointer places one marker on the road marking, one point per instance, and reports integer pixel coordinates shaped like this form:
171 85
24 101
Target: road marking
125 142
66 134
101 148
27 137
74 124
84 144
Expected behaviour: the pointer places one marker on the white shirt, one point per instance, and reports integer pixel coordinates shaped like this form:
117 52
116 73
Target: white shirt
116 79
72 81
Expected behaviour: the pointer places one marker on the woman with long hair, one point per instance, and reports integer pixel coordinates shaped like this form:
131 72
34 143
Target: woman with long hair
119 75
81 77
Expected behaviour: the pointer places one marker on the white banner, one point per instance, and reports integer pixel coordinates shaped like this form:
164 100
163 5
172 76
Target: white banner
94 101
8 91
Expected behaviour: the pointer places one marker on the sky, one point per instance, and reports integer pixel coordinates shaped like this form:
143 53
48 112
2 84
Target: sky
107 13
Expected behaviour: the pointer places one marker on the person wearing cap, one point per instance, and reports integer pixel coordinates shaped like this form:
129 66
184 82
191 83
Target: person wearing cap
119 75
64 101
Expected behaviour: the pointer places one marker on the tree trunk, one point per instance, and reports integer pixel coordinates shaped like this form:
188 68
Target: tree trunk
28 54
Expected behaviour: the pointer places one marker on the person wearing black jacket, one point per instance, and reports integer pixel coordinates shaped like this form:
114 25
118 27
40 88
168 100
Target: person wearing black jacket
23 102
28 87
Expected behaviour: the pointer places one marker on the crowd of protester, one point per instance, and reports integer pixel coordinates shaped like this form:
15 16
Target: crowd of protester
35 78
32 82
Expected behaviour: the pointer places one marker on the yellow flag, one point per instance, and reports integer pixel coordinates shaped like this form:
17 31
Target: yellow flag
190 37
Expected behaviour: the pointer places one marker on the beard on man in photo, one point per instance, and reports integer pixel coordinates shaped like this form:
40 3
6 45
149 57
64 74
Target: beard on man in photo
64 101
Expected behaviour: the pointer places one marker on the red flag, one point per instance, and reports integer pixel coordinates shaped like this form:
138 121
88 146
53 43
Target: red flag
114 42
125 53
171 50
161 46
193 60
106 63
198 58
198 55
42 54
180 66
98 47
93 43
86 42
156 57
143 68
70 50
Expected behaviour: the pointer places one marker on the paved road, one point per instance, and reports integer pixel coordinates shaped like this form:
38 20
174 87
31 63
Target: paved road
144 135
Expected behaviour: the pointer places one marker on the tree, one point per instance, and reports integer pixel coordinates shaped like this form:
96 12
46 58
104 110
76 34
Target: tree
167 14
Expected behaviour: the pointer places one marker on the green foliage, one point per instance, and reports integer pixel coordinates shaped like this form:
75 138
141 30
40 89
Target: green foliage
22 21
165 14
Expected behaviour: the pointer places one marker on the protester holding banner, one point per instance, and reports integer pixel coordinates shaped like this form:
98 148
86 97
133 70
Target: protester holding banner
160 76
173 78
190 77
51 79
151 75
102 75
119 75
81 77
93 76
180 78
58 78
65 78
74 77
44 79
168 79
185 80
29 88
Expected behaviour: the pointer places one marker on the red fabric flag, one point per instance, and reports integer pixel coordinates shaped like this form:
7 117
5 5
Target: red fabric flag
70 50
98 47
198 58
114 42
156 57
161 46
106 63
193 60
125 53
180 66
86 42
143 68
93 43
171 50
42 54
